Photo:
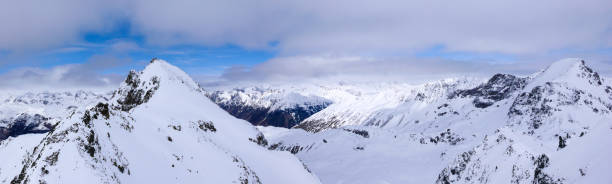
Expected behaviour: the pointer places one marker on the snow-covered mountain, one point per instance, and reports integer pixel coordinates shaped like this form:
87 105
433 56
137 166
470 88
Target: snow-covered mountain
30 112
554 126
158 127
395 105
51 104
343 103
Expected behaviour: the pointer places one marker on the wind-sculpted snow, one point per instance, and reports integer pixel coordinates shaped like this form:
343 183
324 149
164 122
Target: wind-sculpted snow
174 135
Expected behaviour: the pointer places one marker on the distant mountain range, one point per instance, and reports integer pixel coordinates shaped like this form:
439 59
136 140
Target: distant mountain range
29 112
269 107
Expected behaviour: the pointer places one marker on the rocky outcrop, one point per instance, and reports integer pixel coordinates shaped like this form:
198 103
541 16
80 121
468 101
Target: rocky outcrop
499 87
135 91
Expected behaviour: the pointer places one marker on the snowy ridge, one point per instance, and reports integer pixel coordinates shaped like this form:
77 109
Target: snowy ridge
159 127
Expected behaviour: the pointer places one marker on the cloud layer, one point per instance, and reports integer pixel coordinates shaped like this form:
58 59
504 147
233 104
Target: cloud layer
303 27
40 24
380 26
312 39
86 75
333 69
289 69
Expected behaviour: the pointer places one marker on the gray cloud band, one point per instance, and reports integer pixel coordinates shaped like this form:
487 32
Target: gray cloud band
306 27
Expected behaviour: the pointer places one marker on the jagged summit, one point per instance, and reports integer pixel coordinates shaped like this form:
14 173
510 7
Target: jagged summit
159 75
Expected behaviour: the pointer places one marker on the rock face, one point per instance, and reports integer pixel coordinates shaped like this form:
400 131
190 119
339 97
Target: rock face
158 127
268 107
499 87
135 91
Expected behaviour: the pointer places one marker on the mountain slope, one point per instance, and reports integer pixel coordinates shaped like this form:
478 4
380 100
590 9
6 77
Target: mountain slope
12 151
160 128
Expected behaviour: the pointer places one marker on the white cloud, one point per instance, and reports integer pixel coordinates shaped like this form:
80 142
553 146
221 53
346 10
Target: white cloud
319 26
86 75
125 46
353 27
40 24
412 70
335 68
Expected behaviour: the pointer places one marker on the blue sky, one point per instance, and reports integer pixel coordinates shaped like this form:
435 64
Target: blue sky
50 43
195 59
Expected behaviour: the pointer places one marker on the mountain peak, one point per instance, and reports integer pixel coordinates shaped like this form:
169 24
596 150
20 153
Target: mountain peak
561 68
159 75
565 64
167 71
168 75
570 70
